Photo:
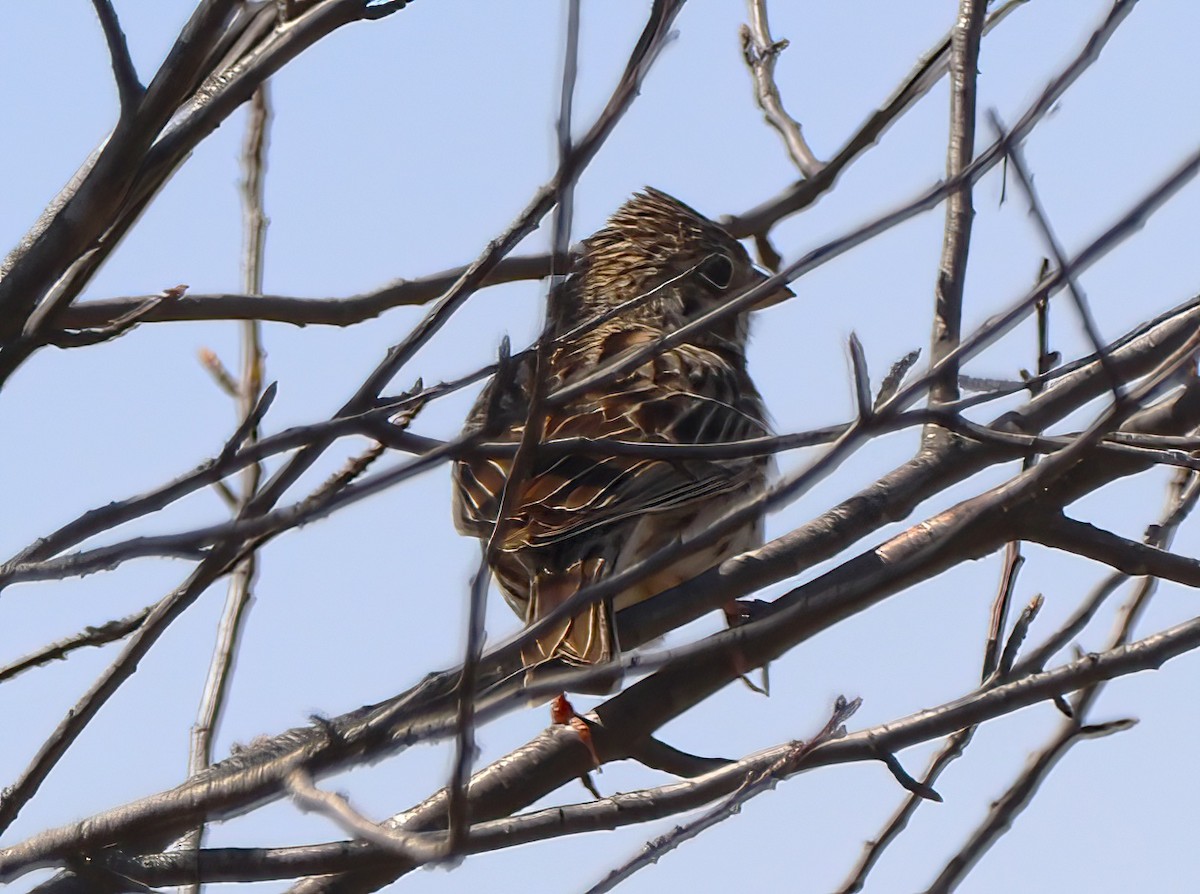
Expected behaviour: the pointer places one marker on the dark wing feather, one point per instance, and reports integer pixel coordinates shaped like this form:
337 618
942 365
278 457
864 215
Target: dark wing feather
687 395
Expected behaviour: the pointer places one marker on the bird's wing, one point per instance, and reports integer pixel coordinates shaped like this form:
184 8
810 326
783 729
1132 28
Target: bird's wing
686 396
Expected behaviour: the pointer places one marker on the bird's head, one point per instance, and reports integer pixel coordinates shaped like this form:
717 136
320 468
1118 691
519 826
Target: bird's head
670 264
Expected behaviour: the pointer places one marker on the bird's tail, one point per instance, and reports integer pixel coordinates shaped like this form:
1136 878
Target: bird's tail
588 638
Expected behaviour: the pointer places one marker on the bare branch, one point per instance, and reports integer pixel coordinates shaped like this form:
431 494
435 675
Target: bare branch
895 377
761 52
45 254
954 746
99 635
248 398
118 327
874 849
1003 810
925 74
653 37
69 729
862 378
129 88
1184 494
559 756
300 311
418 847
92 214
1020 630
1016 159
1127 556
1013 560
755 784
466 751
952 268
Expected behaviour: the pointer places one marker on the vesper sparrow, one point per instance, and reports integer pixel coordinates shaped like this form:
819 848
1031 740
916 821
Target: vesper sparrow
581 517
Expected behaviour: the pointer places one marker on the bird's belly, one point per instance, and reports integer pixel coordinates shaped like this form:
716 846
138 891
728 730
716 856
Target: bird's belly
659 531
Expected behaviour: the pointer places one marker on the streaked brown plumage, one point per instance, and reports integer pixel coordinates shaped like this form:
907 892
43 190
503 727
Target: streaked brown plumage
579 518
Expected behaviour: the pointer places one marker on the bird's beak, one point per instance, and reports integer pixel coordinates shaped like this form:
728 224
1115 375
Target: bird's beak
772 298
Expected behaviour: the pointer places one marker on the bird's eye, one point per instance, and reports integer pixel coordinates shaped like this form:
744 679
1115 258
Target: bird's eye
718 270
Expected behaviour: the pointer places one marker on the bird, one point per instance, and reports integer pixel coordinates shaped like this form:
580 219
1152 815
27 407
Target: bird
578 518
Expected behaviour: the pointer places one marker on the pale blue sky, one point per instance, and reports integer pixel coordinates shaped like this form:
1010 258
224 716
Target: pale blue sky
400 147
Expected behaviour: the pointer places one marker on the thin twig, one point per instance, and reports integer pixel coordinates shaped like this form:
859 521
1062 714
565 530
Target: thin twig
354 309
420 847
1037 659
651 41
249 395
230 548
761 52
1020 630
349 472
221 375
1184 494
118 327
952 268
301 311
755 784
862 378
129 88
1013 560
1047 359
929 69
99 635
954 746
1017 160
523 460
173 807
895 377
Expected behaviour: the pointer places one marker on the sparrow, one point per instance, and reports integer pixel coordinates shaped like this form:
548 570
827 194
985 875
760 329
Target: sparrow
580 517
